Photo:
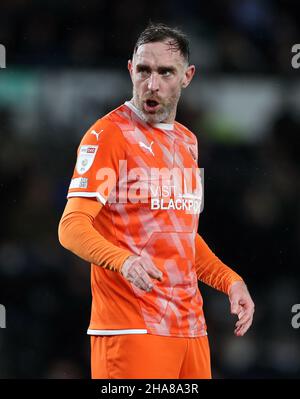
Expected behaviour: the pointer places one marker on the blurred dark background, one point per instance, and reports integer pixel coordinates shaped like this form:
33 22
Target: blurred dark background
66 67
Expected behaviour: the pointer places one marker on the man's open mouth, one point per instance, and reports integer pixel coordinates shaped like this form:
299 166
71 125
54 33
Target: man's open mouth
151 105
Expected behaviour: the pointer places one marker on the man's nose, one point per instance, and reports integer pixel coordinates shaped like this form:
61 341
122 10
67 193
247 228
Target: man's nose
153 83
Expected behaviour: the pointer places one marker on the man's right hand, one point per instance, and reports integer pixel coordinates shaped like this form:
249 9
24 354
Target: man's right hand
139 271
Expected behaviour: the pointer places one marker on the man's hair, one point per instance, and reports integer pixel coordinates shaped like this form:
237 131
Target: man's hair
158 32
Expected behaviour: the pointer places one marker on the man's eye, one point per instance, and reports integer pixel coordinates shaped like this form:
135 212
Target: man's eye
166 73
143 72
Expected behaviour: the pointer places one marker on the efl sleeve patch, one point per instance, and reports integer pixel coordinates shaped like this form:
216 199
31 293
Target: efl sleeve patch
86 157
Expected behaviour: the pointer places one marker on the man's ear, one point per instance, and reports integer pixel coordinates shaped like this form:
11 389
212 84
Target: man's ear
188 75
130 67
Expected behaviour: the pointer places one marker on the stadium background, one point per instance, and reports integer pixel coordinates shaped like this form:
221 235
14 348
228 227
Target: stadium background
66 66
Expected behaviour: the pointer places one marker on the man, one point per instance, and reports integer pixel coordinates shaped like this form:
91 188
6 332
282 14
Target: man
132 211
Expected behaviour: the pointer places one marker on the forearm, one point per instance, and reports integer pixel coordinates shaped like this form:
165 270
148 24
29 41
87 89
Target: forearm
211 270
77 234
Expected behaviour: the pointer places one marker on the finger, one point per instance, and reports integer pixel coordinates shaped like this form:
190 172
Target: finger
234 308
244 319
139 272
153 271
247 316
243 329
246 313
241 323
139 283
143 275
241 314
129 272
248 325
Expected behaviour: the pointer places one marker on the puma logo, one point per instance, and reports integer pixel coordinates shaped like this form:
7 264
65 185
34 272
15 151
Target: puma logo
96 134
148 147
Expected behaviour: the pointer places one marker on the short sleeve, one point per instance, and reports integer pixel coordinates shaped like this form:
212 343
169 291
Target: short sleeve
99 157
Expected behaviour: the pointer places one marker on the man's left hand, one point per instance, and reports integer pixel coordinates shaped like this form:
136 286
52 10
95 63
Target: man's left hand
242 305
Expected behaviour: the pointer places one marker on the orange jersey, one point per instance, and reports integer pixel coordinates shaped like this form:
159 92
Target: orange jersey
124 162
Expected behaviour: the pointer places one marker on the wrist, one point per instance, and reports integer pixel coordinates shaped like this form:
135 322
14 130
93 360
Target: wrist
235 283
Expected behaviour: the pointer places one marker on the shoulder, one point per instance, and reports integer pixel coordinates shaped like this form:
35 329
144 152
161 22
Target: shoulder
186 132
104 131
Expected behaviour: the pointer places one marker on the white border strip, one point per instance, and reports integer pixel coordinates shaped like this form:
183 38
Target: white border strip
116 332
164 126
89 195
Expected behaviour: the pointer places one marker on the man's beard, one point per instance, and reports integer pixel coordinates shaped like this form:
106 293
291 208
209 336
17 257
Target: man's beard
159 116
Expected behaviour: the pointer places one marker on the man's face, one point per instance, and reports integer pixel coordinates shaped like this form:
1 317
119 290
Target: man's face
158 74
